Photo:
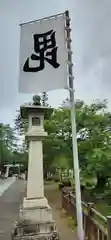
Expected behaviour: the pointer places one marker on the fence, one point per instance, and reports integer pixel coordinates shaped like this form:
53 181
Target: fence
96 226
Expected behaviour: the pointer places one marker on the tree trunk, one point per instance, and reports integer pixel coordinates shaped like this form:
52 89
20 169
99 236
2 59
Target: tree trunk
101 182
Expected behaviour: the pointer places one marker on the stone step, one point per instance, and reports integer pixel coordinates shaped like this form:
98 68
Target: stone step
28 230
45 236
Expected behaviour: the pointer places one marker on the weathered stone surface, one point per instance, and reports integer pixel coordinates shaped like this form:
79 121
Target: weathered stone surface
36 210
53 236
25 230
33 233
35 219
38 237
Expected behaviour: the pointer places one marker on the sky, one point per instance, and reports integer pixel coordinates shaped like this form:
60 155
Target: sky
91 46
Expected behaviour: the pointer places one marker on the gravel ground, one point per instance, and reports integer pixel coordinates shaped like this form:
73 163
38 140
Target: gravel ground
54 197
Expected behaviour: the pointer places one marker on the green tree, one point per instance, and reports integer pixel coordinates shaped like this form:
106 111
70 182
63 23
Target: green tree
93 135
93 124
21 157
7 140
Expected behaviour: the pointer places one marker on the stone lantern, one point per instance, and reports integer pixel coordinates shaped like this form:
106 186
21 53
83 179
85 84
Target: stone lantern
35 212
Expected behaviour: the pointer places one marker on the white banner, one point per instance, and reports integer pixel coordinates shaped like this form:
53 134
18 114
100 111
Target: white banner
43 55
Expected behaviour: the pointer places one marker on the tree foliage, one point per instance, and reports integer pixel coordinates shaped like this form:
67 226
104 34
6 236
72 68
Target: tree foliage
9 149
93 123
7 141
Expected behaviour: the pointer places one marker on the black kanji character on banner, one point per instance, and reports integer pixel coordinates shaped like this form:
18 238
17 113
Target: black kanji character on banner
45 49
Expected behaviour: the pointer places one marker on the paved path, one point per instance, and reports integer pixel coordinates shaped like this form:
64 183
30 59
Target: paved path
9 207
5 184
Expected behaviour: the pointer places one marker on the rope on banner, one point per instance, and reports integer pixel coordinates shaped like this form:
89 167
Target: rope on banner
45 18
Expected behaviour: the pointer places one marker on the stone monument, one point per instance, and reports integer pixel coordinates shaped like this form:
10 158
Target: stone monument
35 220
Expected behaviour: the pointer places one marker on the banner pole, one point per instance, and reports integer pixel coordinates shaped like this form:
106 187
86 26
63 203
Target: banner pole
80 230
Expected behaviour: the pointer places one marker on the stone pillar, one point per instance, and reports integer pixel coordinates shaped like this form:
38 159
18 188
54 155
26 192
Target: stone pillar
35 186
35 213
7 171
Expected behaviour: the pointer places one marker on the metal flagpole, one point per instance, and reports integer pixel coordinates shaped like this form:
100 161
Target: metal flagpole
74 137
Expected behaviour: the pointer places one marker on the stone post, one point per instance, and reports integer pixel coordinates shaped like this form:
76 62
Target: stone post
7 171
